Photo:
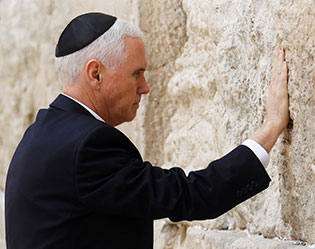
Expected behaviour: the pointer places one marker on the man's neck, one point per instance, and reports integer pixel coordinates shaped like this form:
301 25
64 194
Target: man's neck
93 113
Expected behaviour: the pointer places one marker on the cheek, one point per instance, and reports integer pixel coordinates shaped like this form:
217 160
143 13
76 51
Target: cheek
121 93
113 92
129 91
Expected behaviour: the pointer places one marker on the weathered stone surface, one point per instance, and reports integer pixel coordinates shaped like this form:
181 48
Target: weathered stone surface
295 25
214 99
164 24
210 64
197 237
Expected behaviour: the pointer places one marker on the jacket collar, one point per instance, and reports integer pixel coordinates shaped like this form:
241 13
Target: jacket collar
66 104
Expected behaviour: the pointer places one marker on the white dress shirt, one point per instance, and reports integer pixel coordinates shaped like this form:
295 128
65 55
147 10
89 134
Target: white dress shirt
258 150
95 115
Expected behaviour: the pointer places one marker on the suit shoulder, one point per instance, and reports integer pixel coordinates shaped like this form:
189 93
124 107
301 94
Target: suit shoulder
104 135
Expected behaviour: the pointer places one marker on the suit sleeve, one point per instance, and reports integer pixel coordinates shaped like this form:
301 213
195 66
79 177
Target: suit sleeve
110 178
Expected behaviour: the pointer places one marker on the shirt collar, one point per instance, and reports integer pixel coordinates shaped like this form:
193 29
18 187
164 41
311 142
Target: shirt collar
95 115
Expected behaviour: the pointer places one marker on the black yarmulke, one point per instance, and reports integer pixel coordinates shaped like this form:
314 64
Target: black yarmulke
82 31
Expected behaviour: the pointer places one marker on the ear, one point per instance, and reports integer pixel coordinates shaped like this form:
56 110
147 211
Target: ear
92 71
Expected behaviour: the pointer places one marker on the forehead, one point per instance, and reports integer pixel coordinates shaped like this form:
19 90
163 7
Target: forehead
135 50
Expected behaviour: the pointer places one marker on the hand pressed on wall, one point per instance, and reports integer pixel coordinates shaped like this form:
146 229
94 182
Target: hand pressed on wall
277 105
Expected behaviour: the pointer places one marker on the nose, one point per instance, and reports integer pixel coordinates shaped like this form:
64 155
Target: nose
144 88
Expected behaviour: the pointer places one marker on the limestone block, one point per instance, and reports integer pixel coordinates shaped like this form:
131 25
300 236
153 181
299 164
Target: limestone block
196 238
177 236
213 97
164 24
209 70
295 27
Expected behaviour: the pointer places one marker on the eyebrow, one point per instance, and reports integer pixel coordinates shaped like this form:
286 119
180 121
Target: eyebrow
140 69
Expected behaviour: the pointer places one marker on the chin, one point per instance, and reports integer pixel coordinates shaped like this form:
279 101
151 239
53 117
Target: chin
132 116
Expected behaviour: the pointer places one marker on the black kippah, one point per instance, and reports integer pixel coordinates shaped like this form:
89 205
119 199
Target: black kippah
82 31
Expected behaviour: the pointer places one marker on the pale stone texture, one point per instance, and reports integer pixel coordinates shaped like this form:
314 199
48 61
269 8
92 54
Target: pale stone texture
164 23
209 69
198 237
209 78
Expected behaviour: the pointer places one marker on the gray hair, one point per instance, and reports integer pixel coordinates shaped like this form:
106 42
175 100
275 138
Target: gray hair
108 49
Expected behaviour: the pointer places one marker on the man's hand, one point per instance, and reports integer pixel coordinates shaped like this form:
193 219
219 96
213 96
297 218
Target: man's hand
277 103
277 106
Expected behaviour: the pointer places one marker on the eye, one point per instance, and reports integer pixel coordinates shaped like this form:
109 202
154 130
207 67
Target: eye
137 74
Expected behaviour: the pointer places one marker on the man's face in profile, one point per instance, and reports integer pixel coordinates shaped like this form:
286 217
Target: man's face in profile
124 86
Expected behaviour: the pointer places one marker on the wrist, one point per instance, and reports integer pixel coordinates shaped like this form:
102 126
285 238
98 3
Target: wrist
268 134
274 125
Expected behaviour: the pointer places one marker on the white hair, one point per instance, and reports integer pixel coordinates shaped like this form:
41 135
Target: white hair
108 49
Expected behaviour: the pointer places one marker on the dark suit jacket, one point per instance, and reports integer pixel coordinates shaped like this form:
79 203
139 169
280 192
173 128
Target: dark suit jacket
75 182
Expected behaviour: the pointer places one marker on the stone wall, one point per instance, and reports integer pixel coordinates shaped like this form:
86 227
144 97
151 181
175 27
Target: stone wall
209 70
209 74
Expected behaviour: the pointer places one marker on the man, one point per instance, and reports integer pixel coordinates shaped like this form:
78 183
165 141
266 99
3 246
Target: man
77 182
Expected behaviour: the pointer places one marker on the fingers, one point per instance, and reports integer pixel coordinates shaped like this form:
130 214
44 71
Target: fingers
284 71
281 55
279 67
